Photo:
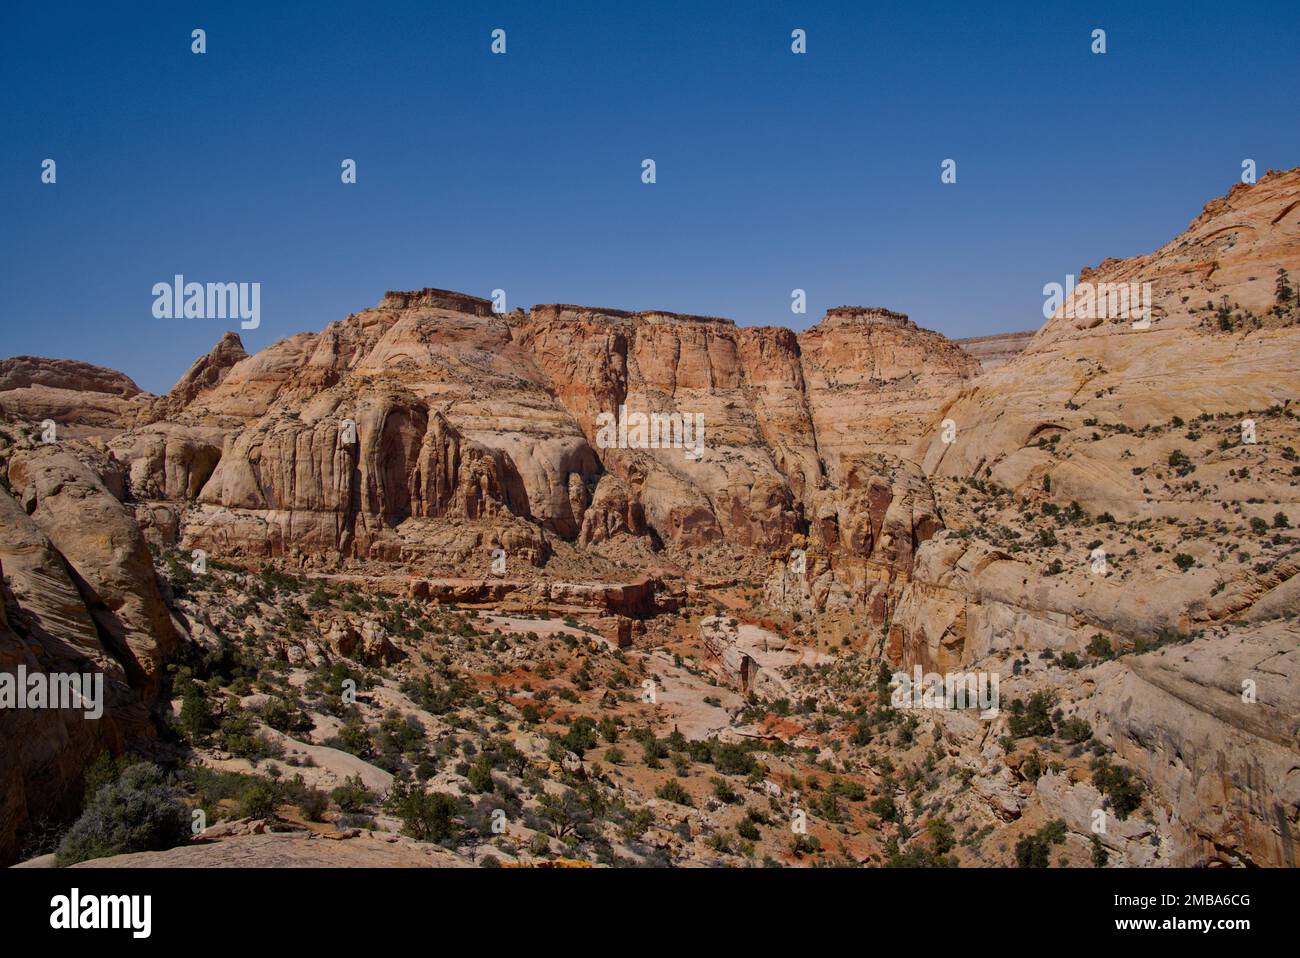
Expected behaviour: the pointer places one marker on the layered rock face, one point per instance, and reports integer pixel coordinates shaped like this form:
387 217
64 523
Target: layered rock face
1101 514
22 372
1152 464
69 392
79 597
430 431
1111 368
995 351
875 379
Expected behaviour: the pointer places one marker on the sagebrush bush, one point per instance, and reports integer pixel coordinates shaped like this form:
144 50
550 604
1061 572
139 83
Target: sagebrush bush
137 812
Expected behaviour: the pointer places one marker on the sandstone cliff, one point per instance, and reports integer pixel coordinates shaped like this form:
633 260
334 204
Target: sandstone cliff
1102 516
1122 485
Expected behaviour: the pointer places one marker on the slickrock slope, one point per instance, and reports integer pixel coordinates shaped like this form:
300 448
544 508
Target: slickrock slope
296 849
1104 521
1185 364
1120 488
1225 766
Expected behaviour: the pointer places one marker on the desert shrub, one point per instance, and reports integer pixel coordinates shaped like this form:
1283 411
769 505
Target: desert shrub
1100 647
312 802
853 791
1074 730
609 729
802 845
426 816
1032 767
1119 785
562 815
580 737
195 722
353 738
285 716
1034 851
885 808
1100 857
352 795
1033 718
480 774
723 791
238 735
732 758
105 770
138 812
259 799
672 791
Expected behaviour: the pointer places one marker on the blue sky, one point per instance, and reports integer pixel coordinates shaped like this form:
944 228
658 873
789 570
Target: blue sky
522 171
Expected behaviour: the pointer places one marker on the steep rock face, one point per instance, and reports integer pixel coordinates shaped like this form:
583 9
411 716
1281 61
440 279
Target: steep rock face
603 361
344 474
1135 434
207 373
1224 761
1184 364
993 352
106 556
874 379
763 477
862 546
78 596
168 461
460 412
613 511
465 365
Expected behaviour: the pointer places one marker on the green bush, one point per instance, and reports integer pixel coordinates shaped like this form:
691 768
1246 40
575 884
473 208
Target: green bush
1031 719
480 774
1100 647
672 791
1074 730
580 737
1119 785
139 812
426 816
1034 851
258 799
196 722
352 795
885 808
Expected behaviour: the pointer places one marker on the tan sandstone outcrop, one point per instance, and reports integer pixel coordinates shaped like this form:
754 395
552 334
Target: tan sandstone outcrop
1140 426
79 596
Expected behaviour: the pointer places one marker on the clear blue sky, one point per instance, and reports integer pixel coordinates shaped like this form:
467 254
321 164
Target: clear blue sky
522 171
